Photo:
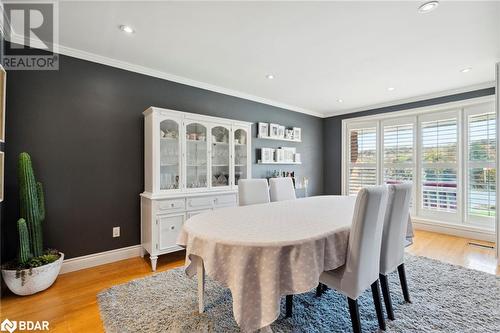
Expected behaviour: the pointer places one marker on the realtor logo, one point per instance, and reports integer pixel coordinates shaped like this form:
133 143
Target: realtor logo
32 30
24 325
8 325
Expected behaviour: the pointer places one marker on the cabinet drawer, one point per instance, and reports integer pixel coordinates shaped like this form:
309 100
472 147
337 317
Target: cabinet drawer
225 200
191 214
169 227
171 205
199 203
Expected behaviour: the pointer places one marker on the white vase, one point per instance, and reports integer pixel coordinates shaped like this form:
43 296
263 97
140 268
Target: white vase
39 279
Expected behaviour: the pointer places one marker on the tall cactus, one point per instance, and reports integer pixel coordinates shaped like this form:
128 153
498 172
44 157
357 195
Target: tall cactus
32 203
24 241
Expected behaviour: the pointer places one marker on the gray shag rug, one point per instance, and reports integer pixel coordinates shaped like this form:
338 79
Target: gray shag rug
445 298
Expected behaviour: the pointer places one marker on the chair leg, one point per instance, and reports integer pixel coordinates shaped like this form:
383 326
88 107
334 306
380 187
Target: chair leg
319 290
384 283
378 305
289 305
404 285
354 311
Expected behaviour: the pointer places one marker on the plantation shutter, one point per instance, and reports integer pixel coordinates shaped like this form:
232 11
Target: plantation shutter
362 158
398 153
481 189
439 138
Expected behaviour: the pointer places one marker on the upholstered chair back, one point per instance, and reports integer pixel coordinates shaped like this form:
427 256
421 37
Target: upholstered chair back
253 191
281 189
395 226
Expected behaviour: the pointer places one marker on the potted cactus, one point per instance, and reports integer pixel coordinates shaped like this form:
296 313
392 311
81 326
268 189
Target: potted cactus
35 269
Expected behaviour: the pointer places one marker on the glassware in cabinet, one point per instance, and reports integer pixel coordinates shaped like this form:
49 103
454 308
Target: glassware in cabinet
196 156
220 156
169 155
240 155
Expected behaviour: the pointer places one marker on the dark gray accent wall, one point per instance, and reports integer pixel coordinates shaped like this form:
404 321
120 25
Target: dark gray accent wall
332 129
83 127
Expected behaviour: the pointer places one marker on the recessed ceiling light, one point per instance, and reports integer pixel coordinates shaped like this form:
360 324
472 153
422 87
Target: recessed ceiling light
391 88
269 76
428 6
465 70
127 29
340 100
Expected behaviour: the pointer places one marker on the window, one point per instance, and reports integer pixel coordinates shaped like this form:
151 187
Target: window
439 150
398 153
362 158
481 167
448 154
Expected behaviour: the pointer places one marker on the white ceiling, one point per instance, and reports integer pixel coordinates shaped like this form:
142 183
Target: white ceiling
318 52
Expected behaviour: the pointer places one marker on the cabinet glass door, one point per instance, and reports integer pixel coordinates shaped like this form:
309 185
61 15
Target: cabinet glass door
220 156
169 155
196 156
240 155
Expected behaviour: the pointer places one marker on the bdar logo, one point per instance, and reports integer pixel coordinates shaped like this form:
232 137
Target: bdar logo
8 325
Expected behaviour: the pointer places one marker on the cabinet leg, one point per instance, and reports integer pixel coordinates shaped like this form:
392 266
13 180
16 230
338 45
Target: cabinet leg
153 259
143 252
200 272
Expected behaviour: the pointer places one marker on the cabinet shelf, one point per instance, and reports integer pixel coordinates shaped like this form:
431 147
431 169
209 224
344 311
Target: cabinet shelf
296 163
278 139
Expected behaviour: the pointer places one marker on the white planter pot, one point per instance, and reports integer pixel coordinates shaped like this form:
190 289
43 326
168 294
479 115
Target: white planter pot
40 278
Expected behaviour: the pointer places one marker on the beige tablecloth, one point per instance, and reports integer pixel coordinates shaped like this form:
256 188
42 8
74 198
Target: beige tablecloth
263 252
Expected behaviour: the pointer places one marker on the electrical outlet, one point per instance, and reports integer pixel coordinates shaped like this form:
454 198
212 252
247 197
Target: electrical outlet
116 232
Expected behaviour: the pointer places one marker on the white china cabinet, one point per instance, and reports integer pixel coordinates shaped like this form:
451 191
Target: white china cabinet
192 164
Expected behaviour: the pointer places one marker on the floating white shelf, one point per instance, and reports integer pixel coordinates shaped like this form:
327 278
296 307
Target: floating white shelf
277 139
260 162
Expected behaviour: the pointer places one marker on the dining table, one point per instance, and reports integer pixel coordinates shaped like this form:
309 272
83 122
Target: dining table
265 251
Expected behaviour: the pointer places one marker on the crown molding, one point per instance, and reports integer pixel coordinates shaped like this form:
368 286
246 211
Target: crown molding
88 56
444 93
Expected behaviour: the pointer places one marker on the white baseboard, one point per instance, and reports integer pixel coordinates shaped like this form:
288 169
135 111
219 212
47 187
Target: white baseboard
96 259
455 230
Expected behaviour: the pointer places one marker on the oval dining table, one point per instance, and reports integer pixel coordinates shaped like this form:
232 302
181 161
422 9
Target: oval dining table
265 251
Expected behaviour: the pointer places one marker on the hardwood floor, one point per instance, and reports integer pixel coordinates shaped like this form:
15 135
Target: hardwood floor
455 250
70 305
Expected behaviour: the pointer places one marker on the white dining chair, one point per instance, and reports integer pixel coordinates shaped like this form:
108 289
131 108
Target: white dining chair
253 191
361 269
394 242
281 189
